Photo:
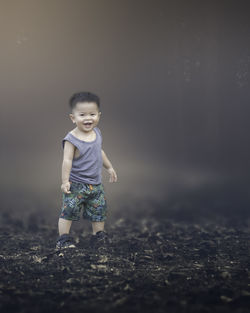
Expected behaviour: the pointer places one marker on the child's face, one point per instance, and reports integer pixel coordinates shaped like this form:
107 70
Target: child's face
86 116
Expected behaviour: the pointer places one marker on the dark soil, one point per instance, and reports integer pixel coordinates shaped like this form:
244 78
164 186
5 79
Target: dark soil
152 265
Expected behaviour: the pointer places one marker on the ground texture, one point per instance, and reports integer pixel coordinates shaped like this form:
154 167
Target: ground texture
152 265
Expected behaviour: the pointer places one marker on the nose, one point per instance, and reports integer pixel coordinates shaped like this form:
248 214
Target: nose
88 117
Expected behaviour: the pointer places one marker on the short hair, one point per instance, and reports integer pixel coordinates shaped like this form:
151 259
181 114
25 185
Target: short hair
83 97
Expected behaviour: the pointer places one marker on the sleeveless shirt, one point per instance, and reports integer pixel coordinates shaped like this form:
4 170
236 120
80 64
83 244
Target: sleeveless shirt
87 167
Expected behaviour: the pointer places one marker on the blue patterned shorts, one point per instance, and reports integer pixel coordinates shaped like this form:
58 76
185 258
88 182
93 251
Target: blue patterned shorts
89 197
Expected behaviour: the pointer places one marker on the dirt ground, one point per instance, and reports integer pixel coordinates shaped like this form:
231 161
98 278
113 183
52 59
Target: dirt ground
153 264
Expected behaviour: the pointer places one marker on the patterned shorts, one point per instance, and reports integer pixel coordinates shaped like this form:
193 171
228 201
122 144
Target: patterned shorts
89 197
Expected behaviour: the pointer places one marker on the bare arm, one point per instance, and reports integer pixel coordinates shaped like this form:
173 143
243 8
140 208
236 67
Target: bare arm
68 155
107 164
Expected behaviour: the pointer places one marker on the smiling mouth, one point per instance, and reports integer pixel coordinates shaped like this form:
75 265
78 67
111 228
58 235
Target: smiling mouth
87 124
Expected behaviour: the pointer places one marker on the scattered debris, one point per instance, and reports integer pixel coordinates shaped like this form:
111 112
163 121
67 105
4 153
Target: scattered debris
149 266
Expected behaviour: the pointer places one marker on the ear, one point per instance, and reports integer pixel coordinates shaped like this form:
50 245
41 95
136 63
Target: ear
72 118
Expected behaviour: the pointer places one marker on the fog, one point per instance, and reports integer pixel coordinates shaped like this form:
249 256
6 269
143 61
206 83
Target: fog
173 79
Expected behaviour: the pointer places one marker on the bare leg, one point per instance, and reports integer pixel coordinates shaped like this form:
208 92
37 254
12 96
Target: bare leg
64 226
97 226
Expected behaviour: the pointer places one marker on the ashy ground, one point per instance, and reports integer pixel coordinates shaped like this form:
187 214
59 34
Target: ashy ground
153 264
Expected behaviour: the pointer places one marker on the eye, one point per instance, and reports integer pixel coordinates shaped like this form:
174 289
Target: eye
92 114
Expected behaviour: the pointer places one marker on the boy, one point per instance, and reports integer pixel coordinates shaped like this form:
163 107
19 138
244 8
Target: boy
83 159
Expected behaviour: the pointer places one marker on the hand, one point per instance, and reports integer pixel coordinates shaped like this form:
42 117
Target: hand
113 176
65 187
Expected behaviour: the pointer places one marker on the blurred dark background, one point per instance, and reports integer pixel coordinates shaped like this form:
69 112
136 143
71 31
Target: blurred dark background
173 78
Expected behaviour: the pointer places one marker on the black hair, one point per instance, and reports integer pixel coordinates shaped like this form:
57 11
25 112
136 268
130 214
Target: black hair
83 97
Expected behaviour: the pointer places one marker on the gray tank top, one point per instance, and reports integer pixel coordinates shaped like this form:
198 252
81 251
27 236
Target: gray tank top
87 167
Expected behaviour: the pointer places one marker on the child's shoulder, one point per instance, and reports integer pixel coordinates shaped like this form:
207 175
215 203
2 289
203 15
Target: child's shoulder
71 132
98 129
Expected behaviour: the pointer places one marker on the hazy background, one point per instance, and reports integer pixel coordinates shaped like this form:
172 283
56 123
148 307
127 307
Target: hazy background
173 78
